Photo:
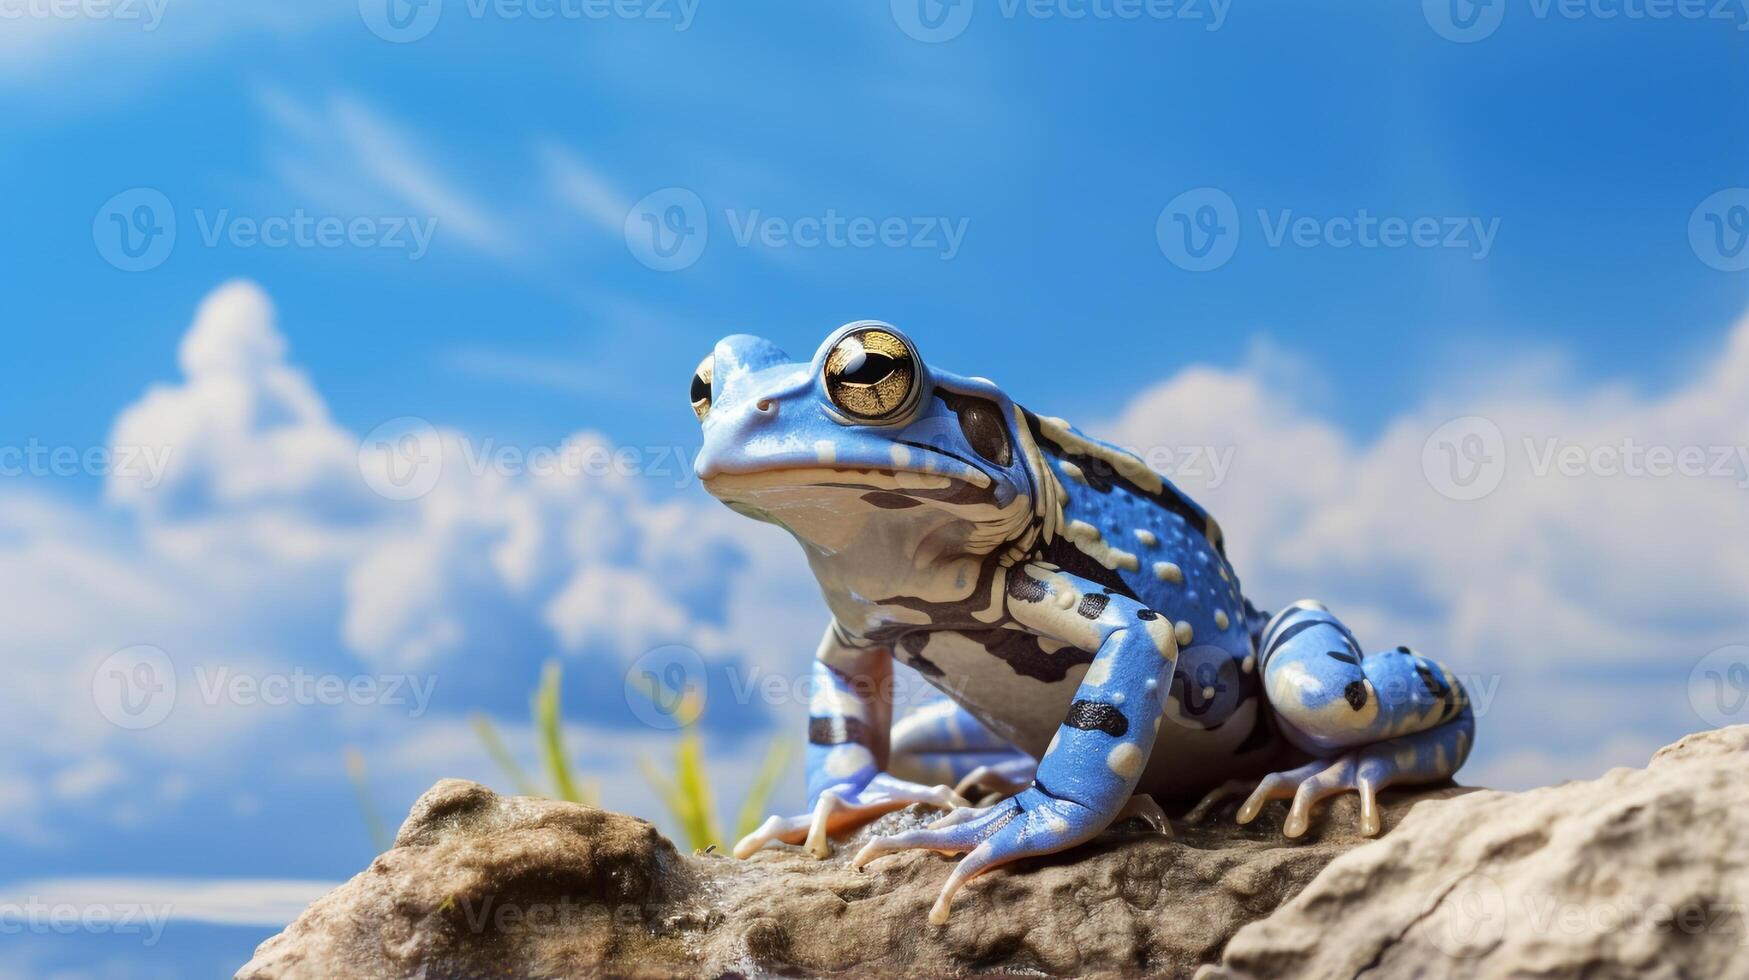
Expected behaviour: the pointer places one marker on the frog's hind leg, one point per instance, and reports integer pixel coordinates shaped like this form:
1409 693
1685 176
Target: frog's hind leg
941 742
1369 721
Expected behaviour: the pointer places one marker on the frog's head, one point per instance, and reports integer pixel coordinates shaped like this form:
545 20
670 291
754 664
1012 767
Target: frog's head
862 450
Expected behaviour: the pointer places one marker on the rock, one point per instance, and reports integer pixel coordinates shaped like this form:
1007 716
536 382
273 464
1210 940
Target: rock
483 885
1642 873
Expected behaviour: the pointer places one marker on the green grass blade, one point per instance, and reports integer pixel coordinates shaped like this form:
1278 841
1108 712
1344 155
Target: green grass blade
373 823
501 755
549 728
764 783
699 819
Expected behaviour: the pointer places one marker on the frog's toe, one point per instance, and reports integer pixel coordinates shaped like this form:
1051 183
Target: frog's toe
839 811
1021 826
1364 771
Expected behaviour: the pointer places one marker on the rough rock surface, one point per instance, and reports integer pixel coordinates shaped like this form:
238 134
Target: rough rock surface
1463 883
1641 873
483 885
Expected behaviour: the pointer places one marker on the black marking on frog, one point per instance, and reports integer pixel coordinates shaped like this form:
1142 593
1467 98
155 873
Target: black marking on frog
837 731
982 424
913 645
887 500
1024 588
1344 656
1355 694
1095 716
1020 650
1093 605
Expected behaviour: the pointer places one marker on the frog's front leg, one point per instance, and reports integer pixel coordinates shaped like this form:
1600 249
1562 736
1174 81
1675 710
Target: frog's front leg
849 722
1091 767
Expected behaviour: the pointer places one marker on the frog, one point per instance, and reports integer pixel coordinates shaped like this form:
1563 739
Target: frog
1093 652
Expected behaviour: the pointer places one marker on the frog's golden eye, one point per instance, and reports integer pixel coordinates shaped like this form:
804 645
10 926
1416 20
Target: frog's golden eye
872 375
701 387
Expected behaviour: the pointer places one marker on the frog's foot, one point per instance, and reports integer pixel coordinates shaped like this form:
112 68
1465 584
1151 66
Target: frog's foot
845 808
1423 757
1005 778
1026 825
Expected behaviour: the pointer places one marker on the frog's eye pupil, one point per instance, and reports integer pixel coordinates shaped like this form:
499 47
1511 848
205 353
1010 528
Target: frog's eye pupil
701 387
872 375
867 368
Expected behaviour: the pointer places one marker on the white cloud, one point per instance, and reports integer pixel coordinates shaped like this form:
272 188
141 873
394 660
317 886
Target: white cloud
1589 596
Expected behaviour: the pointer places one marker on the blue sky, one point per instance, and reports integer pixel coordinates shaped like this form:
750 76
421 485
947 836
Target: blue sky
1572 163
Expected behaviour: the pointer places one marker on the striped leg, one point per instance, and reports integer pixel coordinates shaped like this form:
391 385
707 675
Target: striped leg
1368 721
942 742
1093 763
847 748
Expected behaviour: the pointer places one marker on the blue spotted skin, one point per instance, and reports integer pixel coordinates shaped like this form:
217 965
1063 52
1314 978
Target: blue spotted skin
1078 611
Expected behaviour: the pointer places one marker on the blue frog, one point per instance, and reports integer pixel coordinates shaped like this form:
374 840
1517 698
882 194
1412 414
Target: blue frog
1096 652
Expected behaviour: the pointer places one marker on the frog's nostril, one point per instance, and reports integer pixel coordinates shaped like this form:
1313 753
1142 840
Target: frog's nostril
765 405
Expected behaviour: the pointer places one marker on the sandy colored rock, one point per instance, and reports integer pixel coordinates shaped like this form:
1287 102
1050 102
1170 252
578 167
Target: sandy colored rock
483 885
1639 873
1642 873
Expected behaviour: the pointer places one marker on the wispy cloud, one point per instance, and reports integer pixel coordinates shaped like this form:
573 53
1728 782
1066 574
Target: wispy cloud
581 188
349 154
254 902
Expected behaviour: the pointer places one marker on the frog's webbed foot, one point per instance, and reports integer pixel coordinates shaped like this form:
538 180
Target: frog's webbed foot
1026 825
844 808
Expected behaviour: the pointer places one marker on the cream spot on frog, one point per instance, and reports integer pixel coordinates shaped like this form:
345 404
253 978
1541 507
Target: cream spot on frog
1098 673
825 452
1072 471
1146 537
1125 760
846 760
1186 633
901 455
1088 539
1249 664
1166 571
1221 620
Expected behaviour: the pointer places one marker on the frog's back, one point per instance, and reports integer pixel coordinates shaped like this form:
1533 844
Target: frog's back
1132 531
